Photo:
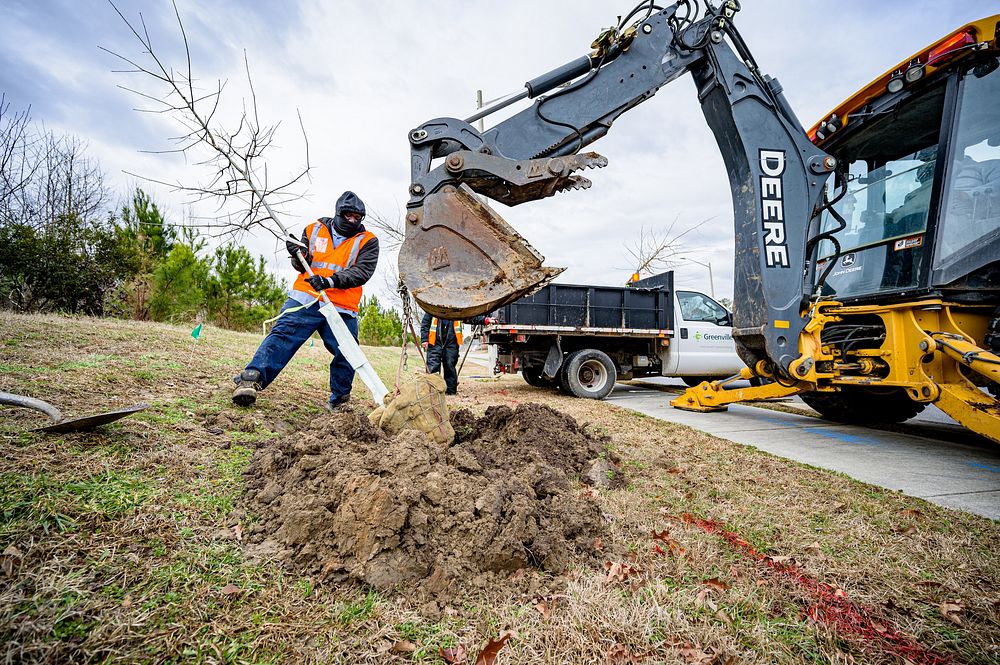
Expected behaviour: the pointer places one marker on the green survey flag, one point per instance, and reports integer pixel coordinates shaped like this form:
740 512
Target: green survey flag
196 333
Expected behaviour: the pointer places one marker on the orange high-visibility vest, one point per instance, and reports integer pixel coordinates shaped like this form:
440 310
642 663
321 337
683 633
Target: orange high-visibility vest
432 335
327 260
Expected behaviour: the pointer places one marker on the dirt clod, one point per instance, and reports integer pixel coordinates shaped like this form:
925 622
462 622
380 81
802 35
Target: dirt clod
343 500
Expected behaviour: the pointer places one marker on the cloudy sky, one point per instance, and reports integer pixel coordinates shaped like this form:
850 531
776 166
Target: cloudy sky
362 73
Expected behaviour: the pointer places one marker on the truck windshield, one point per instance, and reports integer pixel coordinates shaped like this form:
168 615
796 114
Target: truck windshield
892 167
970 211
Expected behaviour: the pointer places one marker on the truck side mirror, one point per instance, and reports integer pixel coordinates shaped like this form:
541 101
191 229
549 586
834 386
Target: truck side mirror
726 320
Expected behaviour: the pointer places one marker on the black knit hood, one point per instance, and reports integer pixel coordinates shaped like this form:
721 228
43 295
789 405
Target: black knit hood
348 202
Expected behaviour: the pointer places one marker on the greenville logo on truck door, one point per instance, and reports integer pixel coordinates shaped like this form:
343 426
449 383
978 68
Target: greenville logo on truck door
713 337
772 199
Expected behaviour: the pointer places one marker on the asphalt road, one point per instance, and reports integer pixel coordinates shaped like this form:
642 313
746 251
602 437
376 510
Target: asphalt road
930 456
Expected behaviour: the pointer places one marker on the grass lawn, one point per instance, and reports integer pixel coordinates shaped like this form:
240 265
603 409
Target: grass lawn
126 545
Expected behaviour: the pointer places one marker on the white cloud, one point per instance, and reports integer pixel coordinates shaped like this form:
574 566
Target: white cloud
363 73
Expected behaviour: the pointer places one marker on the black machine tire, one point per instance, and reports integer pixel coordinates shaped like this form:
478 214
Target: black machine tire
692 381
862 406
533 377
589 374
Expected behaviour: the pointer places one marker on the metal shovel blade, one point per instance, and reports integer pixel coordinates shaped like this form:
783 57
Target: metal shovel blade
90 422
461 259
62 425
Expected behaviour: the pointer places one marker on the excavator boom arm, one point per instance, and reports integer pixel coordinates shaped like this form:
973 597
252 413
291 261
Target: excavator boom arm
777 177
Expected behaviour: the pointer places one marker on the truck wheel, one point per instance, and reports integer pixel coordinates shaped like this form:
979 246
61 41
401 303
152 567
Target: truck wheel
692 381
533 377
863 406
589 373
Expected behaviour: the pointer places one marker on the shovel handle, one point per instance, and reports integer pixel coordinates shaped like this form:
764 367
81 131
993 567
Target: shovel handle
31 403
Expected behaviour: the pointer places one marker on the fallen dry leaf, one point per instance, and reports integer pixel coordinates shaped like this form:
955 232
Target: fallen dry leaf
814 548
703 599
238 532
488 656
693 655
723 617
951 611
127 601
454 655
785 560
403 646
9 559
231 590
717 584
910 512
598 544
620 654
661 535
617 572
544 609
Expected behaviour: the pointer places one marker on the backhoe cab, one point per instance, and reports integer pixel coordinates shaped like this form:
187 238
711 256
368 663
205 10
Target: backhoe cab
867 271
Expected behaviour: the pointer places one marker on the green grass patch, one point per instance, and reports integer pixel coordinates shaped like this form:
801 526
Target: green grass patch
31 502
358 611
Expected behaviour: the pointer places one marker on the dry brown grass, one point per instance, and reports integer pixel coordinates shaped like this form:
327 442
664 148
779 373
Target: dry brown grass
119 545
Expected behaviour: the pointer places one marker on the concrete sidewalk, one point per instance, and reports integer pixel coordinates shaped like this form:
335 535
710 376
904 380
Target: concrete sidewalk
962 474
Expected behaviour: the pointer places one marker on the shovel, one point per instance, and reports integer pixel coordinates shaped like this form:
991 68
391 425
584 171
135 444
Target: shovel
62 425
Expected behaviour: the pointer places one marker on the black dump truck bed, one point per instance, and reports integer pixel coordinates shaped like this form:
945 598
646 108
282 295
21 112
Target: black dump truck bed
640 309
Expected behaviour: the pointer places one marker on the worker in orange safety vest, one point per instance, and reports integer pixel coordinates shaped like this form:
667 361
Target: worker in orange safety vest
442 339
342 255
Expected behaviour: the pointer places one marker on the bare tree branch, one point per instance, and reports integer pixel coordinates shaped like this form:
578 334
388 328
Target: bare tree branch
654 251
237 177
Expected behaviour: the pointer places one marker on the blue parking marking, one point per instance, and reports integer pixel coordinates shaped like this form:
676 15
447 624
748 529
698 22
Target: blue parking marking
822 431
988 467
841 436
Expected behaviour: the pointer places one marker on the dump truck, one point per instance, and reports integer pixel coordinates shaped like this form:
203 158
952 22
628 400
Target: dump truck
583 338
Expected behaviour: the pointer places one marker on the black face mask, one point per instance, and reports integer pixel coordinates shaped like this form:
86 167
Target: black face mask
345 227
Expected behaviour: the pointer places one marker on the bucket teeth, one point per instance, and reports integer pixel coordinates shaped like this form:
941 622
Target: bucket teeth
589 160
574 182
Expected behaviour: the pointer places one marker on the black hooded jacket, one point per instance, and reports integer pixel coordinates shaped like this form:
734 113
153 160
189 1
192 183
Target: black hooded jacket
364 267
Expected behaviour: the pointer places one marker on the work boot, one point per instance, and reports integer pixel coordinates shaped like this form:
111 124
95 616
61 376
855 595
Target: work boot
337 405
247 385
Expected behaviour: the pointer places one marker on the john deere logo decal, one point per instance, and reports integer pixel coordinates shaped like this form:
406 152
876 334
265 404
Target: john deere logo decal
848 260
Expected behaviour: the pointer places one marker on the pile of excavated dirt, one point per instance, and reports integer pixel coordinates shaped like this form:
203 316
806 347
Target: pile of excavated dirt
343 500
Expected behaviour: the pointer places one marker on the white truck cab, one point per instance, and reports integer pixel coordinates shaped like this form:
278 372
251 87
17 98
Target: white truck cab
583 338
702 345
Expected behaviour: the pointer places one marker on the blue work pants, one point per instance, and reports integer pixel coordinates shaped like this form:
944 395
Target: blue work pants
290 331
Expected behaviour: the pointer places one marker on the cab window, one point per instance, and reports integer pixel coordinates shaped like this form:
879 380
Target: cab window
699 307
971 205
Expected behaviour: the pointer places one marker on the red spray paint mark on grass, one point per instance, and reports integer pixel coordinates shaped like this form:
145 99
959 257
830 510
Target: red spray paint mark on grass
831 606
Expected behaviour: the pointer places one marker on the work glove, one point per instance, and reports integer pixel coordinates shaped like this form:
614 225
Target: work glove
320 283
293 247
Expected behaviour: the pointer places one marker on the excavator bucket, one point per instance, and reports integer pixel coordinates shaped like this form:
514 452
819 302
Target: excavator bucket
461 259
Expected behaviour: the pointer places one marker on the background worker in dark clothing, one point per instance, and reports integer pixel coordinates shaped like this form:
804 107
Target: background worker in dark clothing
343 256
442 339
